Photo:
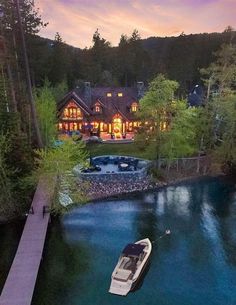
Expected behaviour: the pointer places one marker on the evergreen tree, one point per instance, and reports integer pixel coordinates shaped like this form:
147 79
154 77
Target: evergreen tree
100 57
221 96
59 61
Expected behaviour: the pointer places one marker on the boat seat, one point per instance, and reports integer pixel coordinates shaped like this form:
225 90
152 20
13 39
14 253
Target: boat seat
131 264
122 274
124 261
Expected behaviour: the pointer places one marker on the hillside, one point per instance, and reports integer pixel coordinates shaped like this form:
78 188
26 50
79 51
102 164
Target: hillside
179 58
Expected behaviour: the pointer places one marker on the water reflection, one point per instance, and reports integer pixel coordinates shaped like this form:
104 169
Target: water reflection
195 265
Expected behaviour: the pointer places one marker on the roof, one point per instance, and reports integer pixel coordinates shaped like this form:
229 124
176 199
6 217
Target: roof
133 249
72 95
88 96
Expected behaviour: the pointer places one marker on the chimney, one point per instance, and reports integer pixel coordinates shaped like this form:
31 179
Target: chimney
140 88
87 92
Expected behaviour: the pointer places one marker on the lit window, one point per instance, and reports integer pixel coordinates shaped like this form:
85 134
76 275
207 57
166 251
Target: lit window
109 94
72 113
97 108
120 94
134 107
66 113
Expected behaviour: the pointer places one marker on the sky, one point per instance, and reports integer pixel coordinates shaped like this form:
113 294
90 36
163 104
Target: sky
77 20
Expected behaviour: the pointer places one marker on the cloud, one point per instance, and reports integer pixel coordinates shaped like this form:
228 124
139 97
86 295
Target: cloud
77 20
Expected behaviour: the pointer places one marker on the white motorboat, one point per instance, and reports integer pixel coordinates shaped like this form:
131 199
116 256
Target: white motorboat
130 266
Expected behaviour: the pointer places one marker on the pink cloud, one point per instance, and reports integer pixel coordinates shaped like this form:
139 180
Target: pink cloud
77 20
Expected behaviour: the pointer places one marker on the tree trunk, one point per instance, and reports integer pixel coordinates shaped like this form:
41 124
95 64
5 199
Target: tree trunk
12 89
32 103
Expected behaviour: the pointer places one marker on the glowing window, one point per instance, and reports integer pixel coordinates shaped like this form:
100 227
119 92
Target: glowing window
134 107
109 94
97 108
95 125
120 94
66 112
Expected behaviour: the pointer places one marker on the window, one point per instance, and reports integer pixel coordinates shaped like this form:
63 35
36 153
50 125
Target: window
134 107
97 108
109 94
120 94
72 113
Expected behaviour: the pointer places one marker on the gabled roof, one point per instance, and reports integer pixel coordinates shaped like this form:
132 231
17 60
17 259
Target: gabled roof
87 97
73 96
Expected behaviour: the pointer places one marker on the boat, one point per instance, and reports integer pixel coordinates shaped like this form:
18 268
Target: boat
130 266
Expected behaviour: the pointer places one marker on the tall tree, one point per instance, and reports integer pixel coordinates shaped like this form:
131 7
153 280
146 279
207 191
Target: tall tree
132 61
155 109
100 56
46 109
221 96
15 117
181 138
59 61
221 74
28 79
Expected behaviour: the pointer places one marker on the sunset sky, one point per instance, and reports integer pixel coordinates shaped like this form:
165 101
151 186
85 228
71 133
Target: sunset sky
77 20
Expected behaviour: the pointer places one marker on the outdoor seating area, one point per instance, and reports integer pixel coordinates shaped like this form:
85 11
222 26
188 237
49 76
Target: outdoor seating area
118 162
103 166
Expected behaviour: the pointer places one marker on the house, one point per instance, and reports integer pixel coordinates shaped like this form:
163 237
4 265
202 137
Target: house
100 110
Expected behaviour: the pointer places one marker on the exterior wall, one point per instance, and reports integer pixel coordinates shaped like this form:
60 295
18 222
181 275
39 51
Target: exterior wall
135 176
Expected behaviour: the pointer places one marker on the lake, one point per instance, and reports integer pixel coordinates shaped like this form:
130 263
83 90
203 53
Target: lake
195 265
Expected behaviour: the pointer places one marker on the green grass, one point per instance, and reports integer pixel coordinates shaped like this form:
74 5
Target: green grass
125 149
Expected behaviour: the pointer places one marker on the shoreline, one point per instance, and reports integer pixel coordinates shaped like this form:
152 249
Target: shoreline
132 188
96 193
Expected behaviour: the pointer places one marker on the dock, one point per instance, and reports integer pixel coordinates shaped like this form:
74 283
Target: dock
21 280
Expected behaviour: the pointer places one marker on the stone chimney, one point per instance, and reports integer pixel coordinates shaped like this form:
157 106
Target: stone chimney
140 89
87 92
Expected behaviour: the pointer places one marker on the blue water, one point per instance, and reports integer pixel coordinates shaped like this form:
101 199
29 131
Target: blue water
195 265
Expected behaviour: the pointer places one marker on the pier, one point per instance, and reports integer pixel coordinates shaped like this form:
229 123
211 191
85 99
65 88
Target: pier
20 283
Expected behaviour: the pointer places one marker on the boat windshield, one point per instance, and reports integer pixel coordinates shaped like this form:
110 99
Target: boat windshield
133 249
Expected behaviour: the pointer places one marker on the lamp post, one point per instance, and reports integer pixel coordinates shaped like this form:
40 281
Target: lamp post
28 79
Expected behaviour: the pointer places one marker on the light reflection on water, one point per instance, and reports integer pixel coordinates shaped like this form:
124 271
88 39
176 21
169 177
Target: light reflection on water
195 265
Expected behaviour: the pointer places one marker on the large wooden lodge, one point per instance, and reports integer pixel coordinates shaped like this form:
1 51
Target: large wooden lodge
100 110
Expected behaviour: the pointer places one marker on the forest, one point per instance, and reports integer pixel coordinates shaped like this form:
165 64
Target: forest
36 72
134 59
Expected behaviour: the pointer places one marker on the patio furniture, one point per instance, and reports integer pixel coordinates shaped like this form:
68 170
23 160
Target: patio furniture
123 166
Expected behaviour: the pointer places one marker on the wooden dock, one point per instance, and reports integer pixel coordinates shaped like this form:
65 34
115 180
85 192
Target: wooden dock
20 283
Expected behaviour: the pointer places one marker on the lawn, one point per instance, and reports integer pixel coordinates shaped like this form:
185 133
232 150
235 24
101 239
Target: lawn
124 149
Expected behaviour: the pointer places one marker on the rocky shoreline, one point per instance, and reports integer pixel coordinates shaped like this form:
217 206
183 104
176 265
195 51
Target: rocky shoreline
101 190
114 188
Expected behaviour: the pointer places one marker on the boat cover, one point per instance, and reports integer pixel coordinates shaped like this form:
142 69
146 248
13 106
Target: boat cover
133 249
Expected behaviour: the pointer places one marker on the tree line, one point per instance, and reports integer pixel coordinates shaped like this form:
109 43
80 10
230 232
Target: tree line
55 67
191 131
134 59
27 111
